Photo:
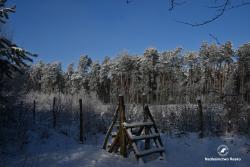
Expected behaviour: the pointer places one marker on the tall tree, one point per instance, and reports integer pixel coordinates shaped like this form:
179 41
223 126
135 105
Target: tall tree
94 79
52 78
105 80
84 64
12 58
83 69
244 71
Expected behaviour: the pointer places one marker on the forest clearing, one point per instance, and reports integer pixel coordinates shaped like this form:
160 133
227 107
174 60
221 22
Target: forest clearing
178 96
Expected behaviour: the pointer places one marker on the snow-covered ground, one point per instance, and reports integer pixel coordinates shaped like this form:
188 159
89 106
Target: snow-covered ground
50 149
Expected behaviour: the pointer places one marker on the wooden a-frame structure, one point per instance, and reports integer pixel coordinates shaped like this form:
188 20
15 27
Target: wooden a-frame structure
129 135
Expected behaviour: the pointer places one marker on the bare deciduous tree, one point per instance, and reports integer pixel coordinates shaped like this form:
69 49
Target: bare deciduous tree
220 10
220 7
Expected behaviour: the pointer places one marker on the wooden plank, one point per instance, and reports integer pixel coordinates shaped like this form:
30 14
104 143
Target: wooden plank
110 128
134 146
137 124
158 144
150 136
123 143
115 143
152 119
122 130
129 133
151 151
140 131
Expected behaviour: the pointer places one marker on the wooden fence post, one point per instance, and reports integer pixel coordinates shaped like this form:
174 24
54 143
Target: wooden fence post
200 118
229 118
145 115
34 112
81 121
54 112
248 118
122 119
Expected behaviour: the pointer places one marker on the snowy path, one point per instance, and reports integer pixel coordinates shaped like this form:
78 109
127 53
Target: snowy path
60 150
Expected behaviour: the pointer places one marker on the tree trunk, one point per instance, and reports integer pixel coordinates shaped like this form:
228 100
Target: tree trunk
200 119
81 121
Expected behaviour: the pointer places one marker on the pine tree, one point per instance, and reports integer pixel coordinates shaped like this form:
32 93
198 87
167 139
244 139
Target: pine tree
244 71
84 64
105 80
52 78
35 76
12 58
94 79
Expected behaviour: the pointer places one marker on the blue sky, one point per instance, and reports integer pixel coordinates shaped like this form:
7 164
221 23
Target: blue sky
62 30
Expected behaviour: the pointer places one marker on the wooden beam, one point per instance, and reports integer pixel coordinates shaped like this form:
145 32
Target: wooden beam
152 119
115 143
110 128
123 140
143 137
137 124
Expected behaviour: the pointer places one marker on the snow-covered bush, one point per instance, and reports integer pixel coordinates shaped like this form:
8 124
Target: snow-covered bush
98 116
67 112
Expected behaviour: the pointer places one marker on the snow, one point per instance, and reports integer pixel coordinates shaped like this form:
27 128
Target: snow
61 150
191 151
48 148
